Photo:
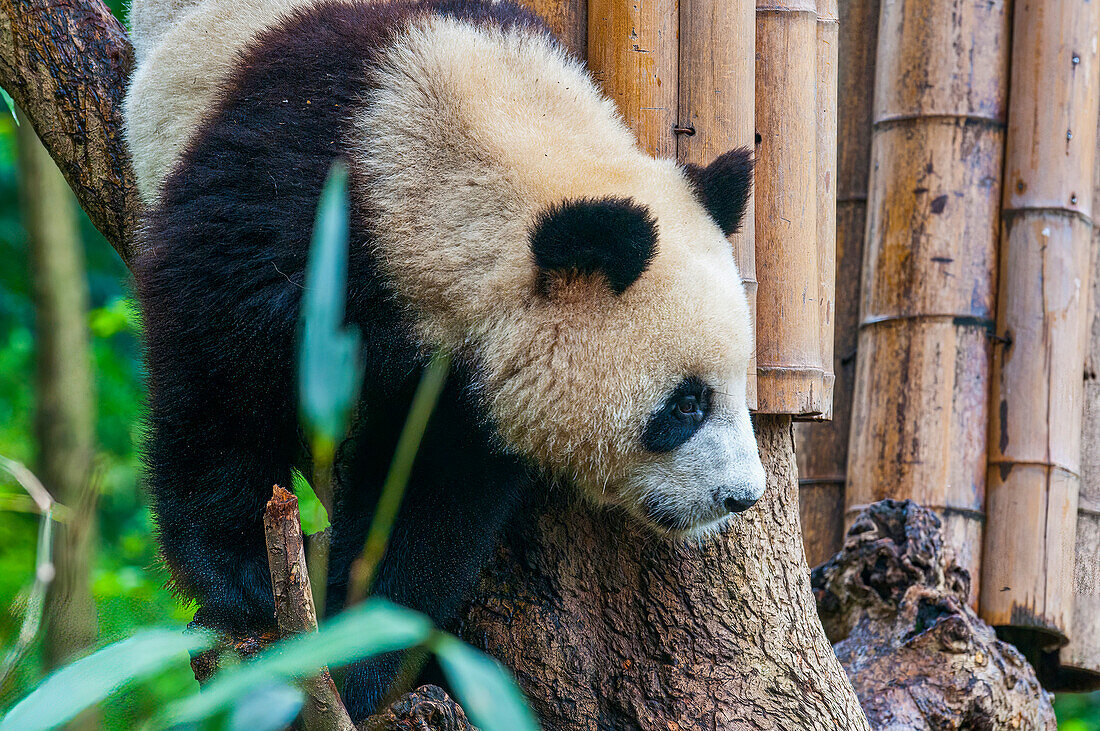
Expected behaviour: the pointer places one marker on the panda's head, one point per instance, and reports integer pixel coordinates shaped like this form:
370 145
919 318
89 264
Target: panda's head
625 373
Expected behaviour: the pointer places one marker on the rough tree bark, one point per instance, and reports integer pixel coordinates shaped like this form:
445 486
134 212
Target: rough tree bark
609 627
294 609
895 602
64 423
66 63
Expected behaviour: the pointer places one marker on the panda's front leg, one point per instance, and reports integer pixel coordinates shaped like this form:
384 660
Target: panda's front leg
462 492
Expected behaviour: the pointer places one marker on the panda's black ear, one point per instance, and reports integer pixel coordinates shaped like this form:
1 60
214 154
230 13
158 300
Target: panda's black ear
614 237
723 187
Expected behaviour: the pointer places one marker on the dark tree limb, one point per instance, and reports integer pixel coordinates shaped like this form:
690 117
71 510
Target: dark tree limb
66 64
895 605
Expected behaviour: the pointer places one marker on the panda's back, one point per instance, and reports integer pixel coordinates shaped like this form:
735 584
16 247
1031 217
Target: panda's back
197 58
460 119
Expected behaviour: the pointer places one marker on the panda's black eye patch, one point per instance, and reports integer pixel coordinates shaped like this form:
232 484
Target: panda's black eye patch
683 412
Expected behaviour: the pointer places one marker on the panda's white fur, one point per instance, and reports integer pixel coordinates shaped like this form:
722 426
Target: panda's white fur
185 50
470 133
512 129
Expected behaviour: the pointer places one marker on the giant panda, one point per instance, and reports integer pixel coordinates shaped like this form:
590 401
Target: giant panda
501 211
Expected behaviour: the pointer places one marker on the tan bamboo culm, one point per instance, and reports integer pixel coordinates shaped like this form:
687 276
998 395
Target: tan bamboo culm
567 19
790 370
1079 661
828 47
927 298
1042 328
823 446
633 51
716 106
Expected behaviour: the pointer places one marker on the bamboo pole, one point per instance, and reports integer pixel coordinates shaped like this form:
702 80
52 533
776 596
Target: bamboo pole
823 447
790 372
64 424
1079 661
633 54
1036 401
922 373
828 41
716 107
567 20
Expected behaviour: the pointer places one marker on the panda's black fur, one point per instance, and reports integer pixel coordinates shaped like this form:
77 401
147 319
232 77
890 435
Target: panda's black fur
220 285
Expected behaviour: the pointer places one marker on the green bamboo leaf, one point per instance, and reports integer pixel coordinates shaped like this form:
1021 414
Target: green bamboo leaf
329 371
11 105
312 513
484 688
269 707
79 685
371 628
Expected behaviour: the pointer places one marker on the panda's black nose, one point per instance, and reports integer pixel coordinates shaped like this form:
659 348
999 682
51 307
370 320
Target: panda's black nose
739 504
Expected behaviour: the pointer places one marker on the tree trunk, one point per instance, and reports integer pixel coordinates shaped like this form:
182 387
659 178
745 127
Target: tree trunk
607 626
65 415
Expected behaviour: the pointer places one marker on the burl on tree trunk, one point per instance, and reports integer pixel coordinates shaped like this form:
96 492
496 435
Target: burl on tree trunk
895 603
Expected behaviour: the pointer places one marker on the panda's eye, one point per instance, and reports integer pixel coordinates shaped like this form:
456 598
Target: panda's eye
688 404
679 417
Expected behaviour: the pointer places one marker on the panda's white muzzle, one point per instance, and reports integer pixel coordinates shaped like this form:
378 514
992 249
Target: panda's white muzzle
714 474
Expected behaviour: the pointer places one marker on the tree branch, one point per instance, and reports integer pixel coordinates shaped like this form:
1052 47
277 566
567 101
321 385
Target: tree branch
66 63
294 610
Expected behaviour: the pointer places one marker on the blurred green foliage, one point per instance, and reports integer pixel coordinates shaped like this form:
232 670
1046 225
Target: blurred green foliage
128 580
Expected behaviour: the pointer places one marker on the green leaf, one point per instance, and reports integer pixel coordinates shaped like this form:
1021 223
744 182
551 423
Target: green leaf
11 105
120 315
484 688
329 371
81 684
268 707
313 516
371 628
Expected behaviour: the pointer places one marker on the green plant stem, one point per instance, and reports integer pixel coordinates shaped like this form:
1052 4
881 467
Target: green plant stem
411 665
36 602
324 453
393 490
43 567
